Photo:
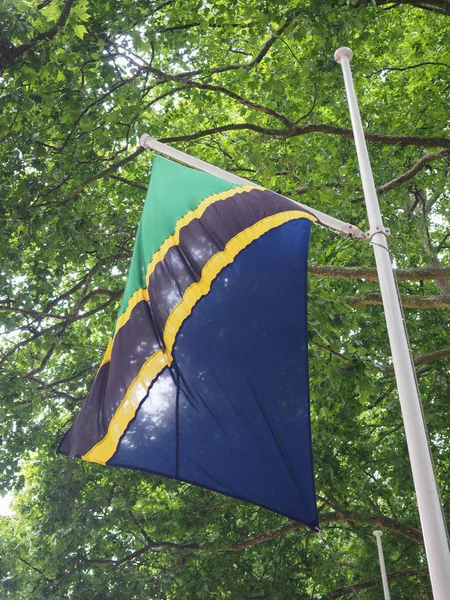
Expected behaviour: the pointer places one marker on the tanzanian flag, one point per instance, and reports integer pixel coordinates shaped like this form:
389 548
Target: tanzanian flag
205 379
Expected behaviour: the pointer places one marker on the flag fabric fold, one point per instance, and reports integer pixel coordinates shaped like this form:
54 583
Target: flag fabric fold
205 378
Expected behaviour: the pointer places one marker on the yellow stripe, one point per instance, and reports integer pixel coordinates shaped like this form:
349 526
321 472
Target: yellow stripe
107 356
105 448
173 240
126 411
215 264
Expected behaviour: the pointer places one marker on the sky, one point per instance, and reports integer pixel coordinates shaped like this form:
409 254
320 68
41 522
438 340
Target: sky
5 502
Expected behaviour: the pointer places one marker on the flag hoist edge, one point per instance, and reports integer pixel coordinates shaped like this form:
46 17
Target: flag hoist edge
205 378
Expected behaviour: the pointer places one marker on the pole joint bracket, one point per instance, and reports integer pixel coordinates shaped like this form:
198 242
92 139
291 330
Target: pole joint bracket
351 231
377 229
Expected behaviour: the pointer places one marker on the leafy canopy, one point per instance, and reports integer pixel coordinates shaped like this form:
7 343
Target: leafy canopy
252 87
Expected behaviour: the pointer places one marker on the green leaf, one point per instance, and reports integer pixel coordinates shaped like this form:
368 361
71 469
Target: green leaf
80 31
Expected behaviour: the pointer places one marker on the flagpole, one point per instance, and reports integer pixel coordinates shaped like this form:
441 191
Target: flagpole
148 142
384 579
428 500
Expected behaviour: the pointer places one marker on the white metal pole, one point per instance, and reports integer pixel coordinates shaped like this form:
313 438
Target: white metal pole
430 510
384 579
148 142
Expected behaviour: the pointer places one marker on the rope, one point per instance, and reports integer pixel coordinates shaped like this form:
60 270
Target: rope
327 546
411 358
397 289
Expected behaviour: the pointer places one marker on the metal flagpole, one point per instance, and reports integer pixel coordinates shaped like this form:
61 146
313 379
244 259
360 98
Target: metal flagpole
148 142
430 510
384 579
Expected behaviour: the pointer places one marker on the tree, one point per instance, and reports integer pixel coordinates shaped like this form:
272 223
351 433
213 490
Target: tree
252 87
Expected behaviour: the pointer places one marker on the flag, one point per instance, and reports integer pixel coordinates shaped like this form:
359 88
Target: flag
205 378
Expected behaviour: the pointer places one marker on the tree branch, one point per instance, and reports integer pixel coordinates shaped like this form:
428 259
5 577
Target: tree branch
370 273
112 295
264 537
268 111
162 5
116 86
420 164
44 361
424 359
36 569
92 179
330 350
255 61
271 41
14 52
87 277
73 316
439 6
422 64
426 302
135 184
266 131
337 515
52 384
377 581
30 313
377 138
390 185
342 515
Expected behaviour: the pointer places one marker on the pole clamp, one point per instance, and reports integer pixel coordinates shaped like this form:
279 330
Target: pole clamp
377 229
